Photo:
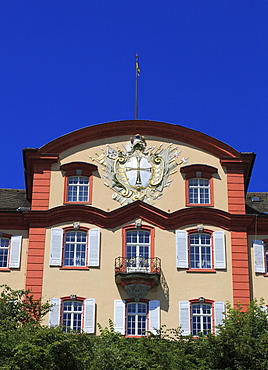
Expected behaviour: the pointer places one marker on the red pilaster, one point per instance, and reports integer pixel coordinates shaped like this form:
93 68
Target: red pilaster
35 263
41 186
240 268
235 184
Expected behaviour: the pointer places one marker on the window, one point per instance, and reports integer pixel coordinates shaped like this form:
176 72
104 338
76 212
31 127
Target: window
75 248
138 250
200 316
72 248
136 318
260 249
200 251
78 182
10 250
78 189
4 249
199 184
73 313
199 191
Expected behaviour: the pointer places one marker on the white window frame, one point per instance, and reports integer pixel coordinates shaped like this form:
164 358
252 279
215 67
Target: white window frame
57 247
74 189
4 248
218 250
202 315
186 315
198 187
88 313
138 331
199 246
152 317
72 313
76 244
13 251
140 263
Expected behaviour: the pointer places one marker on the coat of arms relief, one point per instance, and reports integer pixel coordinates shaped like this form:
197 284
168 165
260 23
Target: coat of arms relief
136 172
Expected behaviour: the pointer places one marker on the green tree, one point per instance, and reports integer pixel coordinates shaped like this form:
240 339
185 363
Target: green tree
242 340
18 307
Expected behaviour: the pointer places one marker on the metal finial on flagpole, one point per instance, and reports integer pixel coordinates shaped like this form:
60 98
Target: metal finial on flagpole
136 89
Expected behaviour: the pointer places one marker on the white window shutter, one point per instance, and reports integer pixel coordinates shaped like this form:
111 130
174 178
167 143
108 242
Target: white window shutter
15 251
89 317
258 248
219 314
119 316
154 316
94 247
54 314
56 246
219 250
184 312
182 249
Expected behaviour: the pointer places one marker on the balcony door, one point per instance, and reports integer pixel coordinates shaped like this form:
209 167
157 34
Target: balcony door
138 250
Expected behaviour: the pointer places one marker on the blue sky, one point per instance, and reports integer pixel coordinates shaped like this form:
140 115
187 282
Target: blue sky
69 64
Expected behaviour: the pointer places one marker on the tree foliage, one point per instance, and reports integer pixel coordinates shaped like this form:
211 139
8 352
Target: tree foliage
18 307
241 343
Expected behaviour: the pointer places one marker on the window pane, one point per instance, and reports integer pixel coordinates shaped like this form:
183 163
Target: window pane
78 189
75 248
201 318
136 318
199 191
4 244
200 251
72 315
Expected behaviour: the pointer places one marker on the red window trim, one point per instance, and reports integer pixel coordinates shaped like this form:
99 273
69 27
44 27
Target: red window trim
133 227
206 172
205 231
78 298
132 300
206 301
70 170
70 228
211 194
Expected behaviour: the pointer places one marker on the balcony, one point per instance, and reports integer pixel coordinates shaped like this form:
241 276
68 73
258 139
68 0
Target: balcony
133 269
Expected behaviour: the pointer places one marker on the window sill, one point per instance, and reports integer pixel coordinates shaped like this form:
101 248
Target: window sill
74 268
202 270
5 269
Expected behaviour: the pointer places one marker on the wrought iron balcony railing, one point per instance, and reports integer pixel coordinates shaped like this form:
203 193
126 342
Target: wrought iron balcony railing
138 264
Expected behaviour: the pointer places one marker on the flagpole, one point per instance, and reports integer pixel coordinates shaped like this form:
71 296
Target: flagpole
137 86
